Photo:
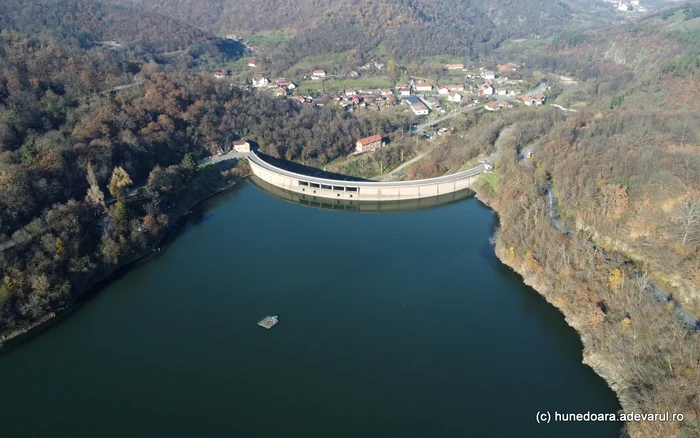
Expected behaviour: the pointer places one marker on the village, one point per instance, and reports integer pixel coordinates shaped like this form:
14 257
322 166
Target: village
428 99
460 87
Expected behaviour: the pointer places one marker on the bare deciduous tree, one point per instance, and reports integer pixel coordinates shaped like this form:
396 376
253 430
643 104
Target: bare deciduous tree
94 196
687 216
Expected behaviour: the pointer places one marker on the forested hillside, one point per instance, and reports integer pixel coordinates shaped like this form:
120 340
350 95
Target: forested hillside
624 169
84 23
626 166
64 145
628 170
402 30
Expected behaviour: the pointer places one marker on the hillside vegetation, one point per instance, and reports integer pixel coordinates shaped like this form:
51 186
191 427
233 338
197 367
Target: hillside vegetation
625 170
63 147
83 23
398 29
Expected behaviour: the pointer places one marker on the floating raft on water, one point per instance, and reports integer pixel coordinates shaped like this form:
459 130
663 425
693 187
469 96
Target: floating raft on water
268 322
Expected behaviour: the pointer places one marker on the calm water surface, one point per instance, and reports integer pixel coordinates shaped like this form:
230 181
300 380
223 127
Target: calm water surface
400 324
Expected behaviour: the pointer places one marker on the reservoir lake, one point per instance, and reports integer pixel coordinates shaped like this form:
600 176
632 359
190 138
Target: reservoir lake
401 323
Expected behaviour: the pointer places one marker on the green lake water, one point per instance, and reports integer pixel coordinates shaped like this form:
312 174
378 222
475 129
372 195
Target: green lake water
392 324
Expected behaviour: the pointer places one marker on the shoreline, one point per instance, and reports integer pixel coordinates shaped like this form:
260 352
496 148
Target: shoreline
587 356
22 335
639 384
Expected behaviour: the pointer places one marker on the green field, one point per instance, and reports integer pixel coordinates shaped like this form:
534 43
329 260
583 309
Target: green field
327 61
268 38
490 181
341 84
528 45
688 25
443 59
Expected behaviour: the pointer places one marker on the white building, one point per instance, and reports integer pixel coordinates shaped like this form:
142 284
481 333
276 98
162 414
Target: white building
454 97
487 89
404 91
241 146
424 86
417 106
260 82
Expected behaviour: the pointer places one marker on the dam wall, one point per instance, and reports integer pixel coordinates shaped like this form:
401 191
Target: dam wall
362 190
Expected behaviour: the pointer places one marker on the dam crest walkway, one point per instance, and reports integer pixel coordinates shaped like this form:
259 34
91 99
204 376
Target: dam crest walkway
363 190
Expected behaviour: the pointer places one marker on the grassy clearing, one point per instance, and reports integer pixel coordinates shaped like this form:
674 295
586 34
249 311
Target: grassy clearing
491 181
328 61
443 59
341 84
527 45
363 166
269 38
688 25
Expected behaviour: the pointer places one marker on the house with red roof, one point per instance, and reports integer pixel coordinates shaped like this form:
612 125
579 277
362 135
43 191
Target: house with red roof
368 144
318 75
507 67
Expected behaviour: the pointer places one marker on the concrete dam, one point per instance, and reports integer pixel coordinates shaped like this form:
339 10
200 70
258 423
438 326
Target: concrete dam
362 190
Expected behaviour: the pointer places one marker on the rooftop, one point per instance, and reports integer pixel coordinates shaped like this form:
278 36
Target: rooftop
413 100
369 140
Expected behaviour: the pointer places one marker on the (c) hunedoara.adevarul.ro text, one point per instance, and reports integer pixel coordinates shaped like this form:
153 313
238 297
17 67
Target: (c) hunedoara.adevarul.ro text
563 417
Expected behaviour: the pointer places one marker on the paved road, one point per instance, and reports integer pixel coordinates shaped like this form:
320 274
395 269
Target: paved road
389 176
562 108
685 316
446 178
523 154
219 158
539 88
448 116
211 160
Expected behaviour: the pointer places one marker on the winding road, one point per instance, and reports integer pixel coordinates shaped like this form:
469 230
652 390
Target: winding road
448 116
686 317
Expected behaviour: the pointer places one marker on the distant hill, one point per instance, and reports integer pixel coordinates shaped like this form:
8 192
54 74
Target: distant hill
400 28
82 23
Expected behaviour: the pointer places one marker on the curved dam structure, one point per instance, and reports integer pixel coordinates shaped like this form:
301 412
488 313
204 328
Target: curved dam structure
338 204
362 190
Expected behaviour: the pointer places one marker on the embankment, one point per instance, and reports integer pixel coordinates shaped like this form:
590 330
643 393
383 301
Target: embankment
638 346
199 192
